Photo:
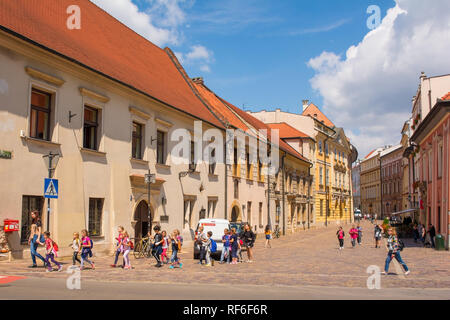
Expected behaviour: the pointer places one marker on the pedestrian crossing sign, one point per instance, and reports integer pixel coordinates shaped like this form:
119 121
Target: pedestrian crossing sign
51 188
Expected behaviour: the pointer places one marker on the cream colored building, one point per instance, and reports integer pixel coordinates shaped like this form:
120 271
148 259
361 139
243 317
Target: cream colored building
370 184
109 124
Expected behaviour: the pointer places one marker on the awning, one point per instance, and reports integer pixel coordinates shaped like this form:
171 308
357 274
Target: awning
404 211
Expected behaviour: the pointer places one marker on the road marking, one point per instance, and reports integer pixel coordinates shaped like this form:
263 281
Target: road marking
8 279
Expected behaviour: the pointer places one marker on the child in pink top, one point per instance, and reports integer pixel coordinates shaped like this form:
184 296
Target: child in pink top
165 247
86 252
51 252
125 248
353 235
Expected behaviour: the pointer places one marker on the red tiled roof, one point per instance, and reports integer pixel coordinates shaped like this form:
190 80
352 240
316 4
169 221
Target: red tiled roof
370 153
259 125
446 97
106 46
313 111
287 131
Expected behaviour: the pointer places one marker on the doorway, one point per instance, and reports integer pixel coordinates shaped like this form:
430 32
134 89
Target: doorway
141 217
234 214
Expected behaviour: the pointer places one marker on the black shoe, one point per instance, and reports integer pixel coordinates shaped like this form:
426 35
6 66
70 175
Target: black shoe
33 266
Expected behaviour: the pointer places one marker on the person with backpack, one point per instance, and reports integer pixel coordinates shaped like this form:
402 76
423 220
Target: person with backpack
176 246
157 246
118 251
378 231
340 235
268 234
359 228
201 242
394 248
86 249
125 248
432 233
51 250
353 235
234 246
248 238
165 247
211 247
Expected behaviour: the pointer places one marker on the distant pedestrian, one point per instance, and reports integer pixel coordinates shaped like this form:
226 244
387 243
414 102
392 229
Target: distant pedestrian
359 228
76 245
125 248
432 233
234 246
416 233
226 254
340 235
51 249
268 234
421 229
165 248
86 249
353 235
394 252
240 245
249 238
377 235
119 239
157 246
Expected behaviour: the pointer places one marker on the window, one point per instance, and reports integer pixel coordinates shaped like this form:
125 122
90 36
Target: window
192 164
161 147
440 160
40 114
320 146
327 177
249 167
260 214
236 189
212 208
320 176
90 131
212 161
259 171
249 212
136 143
335 154
29 204
430 167
95 216
326 148
235 163
321 207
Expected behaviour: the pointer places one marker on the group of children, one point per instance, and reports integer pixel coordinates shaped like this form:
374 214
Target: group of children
160 244
83 247
355 236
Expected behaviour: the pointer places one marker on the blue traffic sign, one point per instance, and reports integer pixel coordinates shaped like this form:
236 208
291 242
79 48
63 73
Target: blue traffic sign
51 188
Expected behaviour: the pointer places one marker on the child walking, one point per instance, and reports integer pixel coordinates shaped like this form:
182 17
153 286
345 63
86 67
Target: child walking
208 249
341 234
86 249
165 247
125 249
176 246
120 230
76 244
359 228
51 250
226 247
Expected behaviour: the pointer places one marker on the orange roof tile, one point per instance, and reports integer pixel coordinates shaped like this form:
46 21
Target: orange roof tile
313 111
446 97
287 131
106 46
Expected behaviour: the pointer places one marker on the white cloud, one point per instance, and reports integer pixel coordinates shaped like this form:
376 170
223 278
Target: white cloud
160 31
199 53
198 56
369 90
205 68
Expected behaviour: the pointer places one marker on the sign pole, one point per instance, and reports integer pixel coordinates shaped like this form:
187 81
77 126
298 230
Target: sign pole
50 158
149 212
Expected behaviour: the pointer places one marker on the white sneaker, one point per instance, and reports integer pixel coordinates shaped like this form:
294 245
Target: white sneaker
407 272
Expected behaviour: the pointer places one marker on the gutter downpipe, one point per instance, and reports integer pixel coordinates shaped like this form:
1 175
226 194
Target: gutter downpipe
284 193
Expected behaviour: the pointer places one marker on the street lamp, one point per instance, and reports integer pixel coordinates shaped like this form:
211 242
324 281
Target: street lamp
51 165
149 179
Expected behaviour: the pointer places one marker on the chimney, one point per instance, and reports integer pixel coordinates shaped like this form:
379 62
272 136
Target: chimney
198 80
305 105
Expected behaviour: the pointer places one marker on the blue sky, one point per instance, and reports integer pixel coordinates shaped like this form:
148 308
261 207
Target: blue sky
260 48
267 54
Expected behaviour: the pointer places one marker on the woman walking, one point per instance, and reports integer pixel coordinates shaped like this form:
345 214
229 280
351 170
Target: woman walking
35 238
377 235
340 235
234 246
268 234
394 252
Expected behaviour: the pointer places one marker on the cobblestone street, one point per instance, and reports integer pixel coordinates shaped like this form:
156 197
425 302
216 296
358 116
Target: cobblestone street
308 258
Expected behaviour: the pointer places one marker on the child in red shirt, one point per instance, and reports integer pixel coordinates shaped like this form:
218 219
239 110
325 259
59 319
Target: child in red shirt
51 252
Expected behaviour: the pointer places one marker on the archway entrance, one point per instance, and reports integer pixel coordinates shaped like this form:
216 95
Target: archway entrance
235 214
141 218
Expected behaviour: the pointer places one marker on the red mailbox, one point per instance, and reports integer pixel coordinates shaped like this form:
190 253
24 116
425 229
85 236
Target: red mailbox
11 225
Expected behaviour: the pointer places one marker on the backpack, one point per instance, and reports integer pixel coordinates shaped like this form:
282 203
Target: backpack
180 238
131 245
213 246
401 245
92 243
55 246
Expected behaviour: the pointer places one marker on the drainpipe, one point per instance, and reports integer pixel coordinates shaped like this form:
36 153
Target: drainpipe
226 178
283 193
309 194
326 182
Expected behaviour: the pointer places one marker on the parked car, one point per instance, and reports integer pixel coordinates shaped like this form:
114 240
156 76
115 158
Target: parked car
216 226
357 214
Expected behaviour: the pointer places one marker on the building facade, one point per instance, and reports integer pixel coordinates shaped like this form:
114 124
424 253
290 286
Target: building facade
392 179
356 185
371 184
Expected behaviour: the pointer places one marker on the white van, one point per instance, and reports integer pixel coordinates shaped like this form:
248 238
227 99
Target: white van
216 226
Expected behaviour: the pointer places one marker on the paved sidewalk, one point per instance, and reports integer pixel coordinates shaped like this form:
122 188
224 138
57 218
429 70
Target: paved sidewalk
308 258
